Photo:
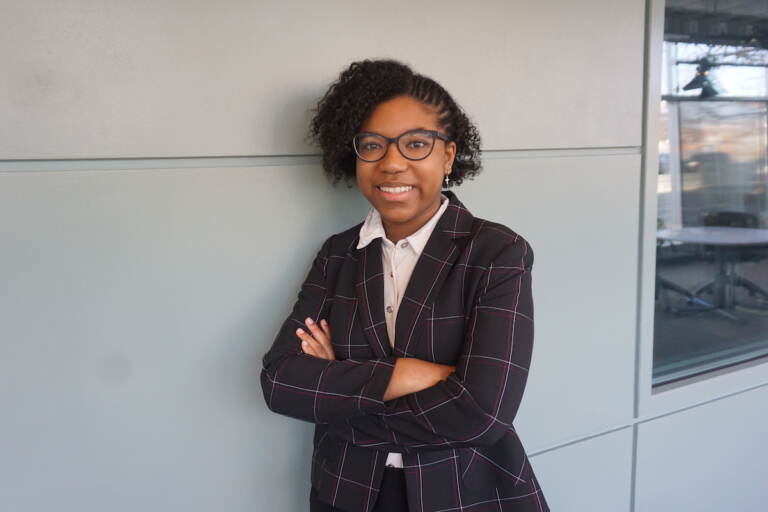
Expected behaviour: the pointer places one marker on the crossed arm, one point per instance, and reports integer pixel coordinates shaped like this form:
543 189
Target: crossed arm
408 376
312 385
406 404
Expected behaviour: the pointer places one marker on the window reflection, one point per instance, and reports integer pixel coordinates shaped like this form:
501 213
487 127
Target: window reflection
711 296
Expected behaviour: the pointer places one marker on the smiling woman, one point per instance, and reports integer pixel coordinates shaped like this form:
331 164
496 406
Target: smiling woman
410 342
404 190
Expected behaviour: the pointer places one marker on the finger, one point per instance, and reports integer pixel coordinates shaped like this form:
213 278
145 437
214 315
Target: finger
320 336
309 344
309 350
317 333
326 328
313 347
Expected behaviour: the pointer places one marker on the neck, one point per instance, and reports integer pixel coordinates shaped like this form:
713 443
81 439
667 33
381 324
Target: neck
396 232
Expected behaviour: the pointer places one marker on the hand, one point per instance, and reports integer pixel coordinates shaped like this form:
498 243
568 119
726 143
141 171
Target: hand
316 342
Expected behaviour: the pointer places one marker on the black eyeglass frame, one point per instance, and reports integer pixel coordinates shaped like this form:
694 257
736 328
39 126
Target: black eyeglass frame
396 140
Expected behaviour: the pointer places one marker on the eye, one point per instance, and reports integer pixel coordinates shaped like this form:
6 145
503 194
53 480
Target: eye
416 141
416 144
370 146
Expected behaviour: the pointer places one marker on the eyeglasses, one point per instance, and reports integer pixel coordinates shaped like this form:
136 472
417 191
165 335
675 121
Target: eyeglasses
413 145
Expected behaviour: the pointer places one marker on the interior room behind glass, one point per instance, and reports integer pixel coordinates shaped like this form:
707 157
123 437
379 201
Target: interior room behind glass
711 290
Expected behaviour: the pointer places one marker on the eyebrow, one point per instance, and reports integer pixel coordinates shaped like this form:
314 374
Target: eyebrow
406 131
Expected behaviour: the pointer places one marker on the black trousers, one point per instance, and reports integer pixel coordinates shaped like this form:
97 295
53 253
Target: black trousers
392 497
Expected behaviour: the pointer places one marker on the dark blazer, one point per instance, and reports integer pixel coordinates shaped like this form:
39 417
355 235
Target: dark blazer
468 304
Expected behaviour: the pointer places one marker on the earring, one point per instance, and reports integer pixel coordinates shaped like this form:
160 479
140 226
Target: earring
446 180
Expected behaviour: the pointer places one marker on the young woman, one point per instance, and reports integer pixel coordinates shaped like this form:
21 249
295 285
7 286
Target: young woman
410 342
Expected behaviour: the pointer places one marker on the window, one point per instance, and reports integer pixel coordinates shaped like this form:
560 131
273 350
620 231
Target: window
711 292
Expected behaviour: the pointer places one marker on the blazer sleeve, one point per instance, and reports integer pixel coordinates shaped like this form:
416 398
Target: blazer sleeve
477 403
318 390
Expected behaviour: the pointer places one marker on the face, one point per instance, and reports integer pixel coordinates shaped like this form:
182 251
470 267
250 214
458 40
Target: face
414 185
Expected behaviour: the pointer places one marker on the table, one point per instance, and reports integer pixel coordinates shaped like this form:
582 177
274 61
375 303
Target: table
726 242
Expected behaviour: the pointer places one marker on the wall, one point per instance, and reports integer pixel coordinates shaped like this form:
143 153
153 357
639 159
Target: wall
157 195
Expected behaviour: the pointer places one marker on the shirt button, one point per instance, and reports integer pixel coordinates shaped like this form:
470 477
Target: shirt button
391 274
404 245
389 309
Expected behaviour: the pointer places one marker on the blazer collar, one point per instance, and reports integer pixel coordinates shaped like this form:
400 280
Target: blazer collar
432 267
374 228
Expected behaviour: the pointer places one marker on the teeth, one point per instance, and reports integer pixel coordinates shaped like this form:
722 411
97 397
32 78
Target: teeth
395 190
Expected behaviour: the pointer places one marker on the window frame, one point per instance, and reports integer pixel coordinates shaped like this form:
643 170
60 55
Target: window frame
696 389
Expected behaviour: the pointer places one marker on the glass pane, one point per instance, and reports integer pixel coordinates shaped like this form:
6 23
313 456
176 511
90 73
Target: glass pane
711 296
722 159
736 71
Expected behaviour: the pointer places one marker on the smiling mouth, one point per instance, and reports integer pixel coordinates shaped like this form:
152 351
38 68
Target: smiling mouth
395 190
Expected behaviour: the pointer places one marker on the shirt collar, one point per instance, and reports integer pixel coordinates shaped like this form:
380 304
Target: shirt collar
373 228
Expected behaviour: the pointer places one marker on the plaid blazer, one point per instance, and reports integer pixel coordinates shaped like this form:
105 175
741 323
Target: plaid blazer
468 304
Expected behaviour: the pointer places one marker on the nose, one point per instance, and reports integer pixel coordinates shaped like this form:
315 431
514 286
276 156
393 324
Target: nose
393 161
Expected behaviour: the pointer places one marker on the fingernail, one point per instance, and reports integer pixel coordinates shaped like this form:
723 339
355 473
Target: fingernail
323 322
304 343
299 331
309 321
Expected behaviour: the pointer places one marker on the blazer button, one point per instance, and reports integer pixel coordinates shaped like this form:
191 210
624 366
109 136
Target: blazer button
389 309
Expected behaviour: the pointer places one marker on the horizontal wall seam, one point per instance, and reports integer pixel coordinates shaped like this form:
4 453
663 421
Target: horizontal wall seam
642 419
114 164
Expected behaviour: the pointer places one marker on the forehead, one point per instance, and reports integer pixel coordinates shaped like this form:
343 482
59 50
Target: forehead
400 114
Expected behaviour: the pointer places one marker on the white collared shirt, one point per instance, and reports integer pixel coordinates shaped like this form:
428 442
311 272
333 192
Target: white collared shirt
398 261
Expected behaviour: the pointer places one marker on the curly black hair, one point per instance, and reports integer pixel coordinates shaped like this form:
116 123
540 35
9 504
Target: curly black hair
359 90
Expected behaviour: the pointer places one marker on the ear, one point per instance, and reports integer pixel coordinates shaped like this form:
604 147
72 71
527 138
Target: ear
450 155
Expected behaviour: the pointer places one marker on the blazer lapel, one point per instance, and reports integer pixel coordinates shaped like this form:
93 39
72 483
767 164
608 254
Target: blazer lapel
433 266
369 288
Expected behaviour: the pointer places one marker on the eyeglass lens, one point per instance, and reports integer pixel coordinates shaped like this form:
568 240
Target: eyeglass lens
415 145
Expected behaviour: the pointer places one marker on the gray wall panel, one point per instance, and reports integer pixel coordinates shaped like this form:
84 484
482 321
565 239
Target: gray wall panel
135 308
588 476
127 79
709 459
